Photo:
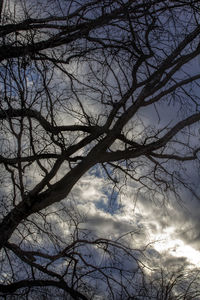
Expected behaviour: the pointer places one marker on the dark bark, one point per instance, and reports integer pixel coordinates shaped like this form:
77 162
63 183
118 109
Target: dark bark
11 288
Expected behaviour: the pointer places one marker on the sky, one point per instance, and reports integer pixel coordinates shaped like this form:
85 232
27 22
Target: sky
173 228
169 225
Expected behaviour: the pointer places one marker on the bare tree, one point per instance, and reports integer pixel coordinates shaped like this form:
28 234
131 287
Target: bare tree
79 85
174 283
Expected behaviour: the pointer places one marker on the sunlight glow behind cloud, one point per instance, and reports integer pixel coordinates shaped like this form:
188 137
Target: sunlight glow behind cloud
165 244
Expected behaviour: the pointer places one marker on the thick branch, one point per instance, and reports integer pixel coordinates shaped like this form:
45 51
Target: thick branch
34 203
30 113
176 157
11 288
147 149
66 36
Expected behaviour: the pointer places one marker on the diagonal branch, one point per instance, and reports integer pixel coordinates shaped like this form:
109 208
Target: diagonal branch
147 149
11 288
31 113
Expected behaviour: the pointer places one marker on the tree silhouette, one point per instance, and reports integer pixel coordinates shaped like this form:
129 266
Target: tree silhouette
80 84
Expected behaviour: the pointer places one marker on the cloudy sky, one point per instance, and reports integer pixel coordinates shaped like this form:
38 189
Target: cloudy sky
85 93
172 227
